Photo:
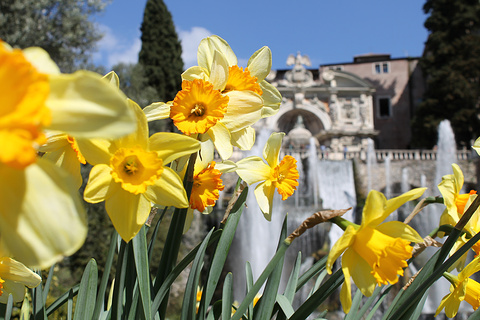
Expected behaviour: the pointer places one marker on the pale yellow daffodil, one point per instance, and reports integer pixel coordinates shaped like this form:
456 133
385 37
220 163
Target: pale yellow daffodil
456 203
42 217
221 100
14 276
374 252
130 173
462 288
275 174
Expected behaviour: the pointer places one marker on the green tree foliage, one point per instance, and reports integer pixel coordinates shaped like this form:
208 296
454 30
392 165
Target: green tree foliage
62 27
161 50
451 63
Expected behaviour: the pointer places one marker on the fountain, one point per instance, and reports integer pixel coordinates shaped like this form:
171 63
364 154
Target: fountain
388 186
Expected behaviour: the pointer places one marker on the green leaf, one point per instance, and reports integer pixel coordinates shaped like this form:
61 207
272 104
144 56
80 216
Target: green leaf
164 289
261 279
319 296
99 304
264 308
46 288
431 272
143 271
227 297
285 305
249 280
118 289
222 250
62 299
190 296
38 305
70 305
290 289
87 293
8 312
310 273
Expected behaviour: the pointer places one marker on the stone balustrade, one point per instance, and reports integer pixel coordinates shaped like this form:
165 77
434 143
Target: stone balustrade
380 155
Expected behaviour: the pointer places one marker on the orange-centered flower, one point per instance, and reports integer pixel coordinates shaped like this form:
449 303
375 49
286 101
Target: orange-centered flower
281 175
197 107
206 188
23 113
135 169
386 255
73 143
240 80
462 200
285 177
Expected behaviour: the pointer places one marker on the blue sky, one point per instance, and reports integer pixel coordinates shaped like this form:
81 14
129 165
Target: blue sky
327 31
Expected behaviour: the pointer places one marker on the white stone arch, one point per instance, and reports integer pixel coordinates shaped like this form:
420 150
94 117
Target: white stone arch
314 110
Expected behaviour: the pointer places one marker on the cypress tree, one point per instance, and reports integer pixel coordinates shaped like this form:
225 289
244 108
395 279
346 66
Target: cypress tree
451 64
161 50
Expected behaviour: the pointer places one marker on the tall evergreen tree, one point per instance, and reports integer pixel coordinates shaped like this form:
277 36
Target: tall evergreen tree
161 50
451 63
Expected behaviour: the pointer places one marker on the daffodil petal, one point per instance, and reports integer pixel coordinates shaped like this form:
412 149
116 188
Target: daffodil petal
346 292
113 79
85 105
272 148
219 72
100 184
195 72
397 229
253 169
138 138
41 60
221 139
226 166
476 145
157 111
128 213
13 270
264 193
42 218
442 305
360 271
206 156
207 48
168 190
374 207
470 269
451 306
67 159
17 290
170 146
345 241
244 109
458 174
397 202
96 151
271 99
260 63
244 139
55 141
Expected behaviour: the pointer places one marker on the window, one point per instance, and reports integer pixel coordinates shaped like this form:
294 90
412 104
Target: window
381 67
384 110
336 68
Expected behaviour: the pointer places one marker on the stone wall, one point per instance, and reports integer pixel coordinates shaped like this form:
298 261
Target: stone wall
415 169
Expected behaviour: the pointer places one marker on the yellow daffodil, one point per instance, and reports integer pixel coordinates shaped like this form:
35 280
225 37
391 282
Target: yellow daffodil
275 174
42 217
374 252
220 99
462 288
14 276
456 203
207 182
129 173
